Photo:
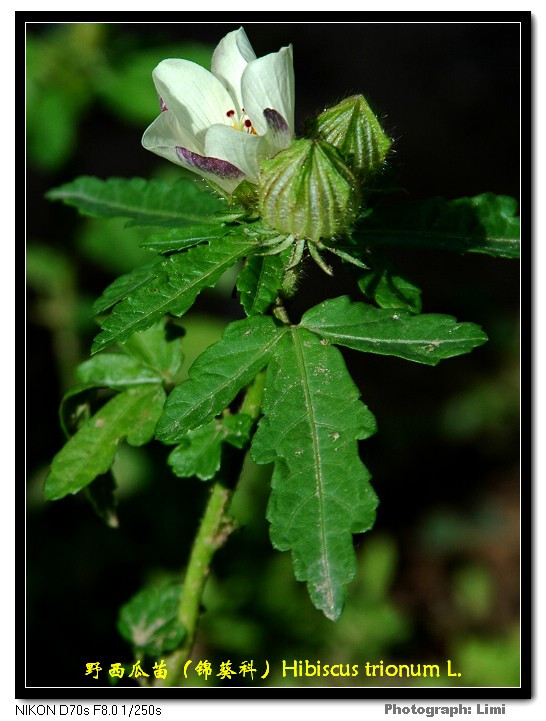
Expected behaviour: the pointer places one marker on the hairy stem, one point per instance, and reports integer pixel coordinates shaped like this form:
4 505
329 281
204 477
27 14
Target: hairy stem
214 529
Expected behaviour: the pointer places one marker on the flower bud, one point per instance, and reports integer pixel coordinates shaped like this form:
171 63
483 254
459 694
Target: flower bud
352 128
308 191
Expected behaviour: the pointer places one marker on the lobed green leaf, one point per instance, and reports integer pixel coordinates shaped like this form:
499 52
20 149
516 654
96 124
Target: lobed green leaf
173 290
143 202
117 371
320 489
149 621
149 358
486 223
261 281
91 451
127 284
389 287
427 338
155 350
200 452
177 239
218 375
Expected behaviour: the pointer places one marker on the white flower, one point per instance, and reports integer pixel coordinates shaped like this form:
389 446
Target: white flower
222 124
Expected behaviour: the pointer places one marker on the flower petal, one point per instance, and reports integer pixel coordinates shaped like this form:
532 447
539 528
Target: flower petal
278 132
244 150
268 82
230 58
165 137
218 171
193 95
165 133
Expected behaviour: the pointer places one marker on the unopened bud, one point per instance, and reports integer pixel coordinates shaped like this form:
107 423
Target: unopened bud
308 191
352 128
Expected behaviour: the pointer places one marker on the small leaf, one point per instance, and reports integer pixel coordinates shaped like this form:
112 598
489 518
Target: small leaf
144 202
261 281
389 287
131 415
174 291
425 338
117 371
320 491
218 375
483 224
153 349
199 453
149 621
127 284
176 239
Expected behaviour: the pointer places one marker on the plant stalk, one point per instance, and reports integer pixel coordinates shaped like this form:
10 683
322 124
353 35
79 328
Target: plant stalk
214 529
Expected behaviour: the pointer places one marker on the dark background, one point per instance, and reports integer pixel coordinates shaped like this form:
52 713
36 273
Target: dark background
445 460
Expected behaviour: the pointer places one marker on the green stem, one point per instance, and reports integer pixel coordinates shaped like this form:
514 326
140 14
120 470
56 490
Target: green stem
212 533
252 402
215 527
